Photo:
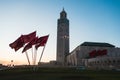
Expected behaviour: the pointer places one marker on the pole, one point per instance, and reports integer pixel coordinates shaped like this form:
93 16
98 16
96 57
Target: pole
42 53
35 56
27 57
32 56
34 62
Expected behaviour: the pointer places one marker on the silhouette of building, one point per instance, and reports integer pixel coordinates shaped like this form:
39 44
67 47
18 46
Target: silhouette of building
62 38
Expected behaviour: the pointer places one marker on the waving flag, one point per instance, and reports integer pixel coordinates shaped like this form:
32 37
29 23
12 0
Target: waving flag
20 42
103 52
41 41
27 38
92 53
29 45
17 44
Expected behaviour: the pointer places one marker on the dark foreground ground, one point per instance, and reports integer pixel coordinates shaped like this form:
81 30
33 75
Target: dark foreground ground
58 74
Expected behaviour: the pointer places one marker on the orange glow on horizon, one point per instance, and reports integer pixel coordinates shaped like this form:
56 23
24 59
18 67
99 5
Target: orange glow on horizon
14 62
9 62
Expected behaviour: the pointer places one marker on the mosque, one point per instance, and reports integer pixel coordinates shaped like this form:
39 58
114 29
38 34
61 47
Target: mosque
96 55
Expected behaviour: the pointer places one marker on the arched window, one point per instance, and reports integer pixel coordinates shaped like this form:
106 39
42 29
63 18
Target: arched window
118 61
105 62
109 61
98 62
113 61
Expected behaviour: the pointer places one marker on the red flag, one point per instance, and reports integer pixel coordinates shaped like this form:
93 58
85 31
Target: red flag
29 45
104 52
41 41
17 44
20 42
27 38
92 53
99 53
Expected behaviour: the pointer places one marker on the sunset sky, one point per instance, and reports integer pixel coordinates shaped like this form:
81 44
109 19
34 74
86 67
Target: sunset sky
90 20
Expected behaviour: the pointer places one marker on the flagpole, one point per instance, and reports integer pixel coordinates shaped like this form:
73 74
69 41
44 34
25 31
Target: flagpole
27 57
42 53
43 50
35 56
32 56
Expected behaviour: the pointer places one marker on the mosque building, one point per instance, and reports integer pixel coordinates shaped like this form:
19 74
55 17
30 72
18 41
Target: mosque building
97 55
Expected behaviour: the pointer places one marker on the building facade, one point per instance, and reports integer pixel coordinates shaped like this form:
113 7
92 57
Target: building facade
95 55
62 38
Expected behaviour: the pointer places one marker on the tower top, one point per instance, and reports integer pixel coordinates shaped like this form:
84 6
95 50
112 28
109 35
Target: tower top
63 14
63 8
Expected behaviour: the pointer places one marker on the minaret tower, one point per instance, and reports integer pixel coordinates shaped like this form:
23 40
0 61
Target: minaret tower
62 38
